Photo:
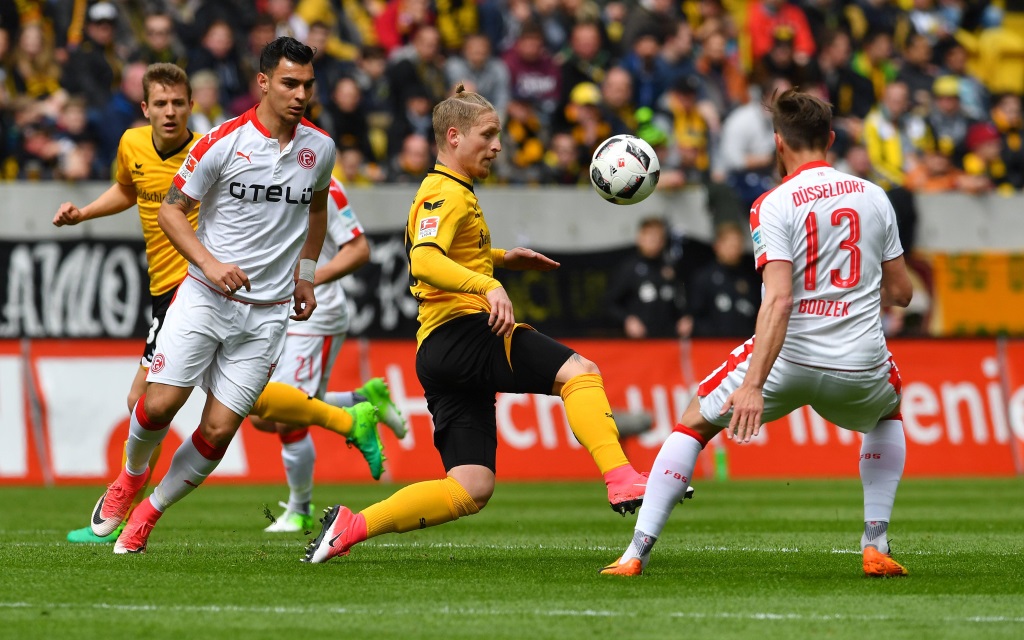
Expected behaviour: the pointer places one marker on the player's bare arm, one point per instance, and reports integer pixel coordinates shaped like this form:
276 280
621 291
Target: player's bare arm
747 402
305 300
523 259
173 220
351 255
897 289
114 200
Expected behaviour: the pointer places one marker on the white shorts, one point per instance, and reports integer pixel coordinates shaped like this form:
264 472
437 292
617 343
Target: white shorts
307 361
230 348
854 400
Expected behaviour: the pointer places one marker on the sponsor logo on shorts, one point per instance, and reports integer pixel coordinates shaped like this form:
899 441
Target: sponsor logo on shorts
158 363
428 227
306 158
271 372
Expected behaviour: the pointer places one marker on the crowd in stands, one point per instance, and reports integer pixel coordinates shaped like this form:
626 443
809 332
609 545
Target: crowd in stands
926 93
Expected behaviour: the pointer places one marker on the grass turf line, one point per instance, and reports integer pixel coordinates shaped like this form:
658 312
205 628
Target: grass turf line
775 559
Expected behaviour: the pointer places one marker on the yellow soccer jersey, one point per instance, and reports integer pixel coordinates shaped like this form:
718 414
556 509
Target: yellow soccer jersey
445 214
151 173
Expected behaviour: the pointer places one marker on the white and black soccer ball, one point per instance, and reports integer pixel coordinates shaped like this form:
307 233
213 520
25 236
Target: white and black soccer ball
624 170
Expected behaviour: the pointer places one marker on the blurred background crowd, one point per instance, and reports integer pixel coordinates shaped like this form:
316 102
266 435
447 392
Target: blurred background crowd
927 93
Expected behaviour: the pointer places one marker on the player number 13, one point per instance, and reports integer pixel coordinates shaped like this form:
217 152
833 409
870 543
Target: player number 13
849 244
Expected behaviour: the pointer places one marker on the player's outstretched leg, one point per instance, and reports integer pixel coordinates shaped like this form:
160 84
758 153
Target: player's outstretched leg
882 456
590 418
420 505
299 456
365 437
376 391
281 402
670 478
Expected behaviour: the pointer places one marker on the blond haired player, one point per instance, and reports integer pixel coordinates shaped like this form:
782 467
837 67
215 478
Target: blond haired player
470 347
827 246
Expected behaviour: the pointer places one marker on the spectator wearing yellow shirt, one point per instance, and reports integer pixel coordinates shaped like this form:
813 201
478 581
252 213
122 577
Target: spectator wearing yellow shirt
984 157
1006 116
894 137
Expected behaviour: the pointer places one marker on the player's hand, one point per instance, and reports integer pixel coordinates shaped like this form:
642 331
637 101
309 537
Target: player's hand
684 327
229 278
635 328
521 259
502 319
67 214
747 405
305 301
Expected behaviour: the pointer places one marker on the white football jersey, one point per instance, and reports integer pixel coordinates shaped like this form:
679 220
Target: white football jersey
331 314
256 197
836 230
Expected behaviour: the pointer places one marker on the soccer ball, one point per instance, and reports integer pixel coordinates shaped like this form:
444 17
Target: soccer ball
624 170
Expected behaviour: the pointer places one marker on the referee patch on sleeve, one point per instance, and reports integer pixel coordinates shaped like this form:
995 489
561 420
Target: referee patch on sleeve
428 227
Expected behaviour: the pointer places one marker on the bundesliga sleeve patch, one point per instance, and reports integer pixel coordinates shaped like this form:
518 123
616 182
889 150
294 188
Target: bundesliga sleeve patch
428 227
186 169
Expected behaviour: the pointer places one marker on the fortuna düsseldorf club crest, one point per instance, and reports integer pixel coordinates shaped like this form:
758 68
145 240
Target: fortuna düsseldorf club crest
307 158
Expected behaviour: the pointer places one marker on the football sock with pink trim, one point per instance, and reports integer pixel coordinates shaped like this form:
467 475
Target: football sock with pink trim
194 460
144 436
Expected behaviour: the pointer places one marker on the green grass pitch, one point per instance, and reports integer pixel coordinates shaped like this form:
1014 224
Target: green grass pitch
743 560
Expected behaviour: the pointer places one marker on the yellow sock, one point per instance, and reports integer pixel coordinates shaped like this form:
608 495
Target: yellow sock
419 506
284 403
590 418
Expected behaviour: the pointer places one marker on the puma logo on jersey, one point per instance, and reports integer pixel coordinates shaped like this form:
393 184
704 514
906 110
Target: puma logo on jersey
247 158
433 206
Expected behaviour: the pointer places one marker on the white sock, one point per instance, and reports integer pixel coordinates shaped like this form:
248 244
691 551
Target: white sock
343 398
143 438
298 458
666 486
194 460
882 455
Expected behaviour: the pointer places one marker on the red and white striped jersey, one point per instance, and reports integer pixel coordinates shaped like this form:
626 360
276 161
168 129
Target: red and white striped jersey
331 314
256 197
836 230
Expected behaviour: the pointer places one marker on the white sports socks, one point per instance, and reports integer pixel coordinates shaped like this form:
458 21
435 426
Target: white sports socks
882 455
298 458
143 438
666 486
194 460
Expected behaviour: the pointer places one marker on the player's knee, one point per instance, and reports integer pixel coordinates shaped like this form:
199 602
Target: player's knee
260 424
159 410
478 483
482 497
219 435
578 366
